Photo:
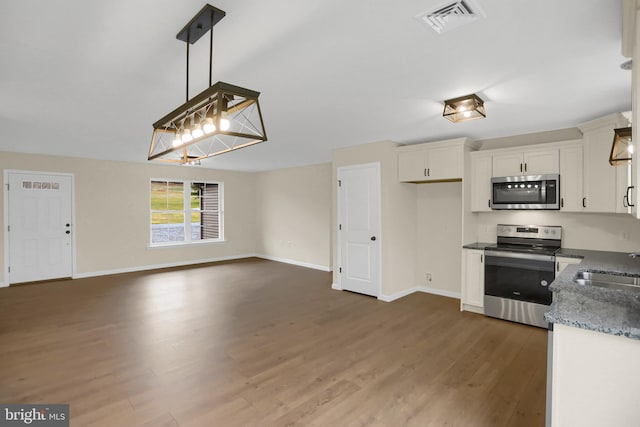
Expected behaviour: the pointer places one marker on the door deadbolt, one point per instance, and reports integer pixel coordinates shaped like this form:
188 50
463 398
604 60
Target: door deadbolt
373 237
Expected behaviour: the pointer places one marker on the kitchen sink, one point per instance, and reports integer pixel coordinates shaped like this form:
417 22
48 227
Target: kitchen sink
610 280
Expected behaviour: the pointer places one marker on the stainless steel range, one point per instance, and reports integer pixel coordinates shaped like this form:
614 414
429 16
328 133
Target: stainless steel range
518 271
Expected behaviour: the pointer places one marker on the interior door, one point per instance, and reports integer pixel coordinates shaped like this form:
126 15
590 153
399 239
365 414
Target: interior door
40 213
359 228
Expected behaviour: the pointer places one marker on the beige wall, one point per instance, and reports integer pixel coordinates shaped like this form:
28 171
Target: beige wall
294 214
112 212
439 235
398 220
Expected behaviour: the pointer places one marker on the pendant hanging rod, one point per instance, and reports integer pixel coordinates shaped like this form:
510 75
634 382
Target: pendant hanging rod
211 52
187 85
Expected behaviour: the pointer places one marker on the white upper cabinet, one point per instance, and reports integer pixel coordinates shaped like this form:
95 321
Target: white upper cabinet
532 161
434 161
601 192
571 178
480 182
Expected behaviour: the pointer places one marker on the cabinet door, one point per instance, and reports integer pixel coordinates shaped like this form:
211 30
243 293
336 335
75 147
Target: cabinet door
412 166
473 286
623 181
600 176
571 179
508 164
541 162
481 184
444 163
562 263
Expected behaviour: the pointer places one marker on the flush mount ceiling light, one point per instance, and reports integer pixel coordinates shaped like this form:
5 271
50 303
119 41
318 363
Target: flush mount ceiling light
220 119
621 149
461 109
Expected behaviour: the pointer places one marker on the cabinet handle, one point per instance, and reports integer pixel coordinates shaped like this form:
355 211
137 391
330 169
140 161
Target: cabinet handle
425 171
584 202
558 266
629 204
525 167
489 203
520 167
625 201
562 202
428 172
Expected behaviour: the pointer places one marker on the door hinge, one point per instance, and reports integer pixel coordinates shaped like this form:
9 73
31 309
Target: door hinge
339 226
339 183
340 270
7 187
9 269
8 228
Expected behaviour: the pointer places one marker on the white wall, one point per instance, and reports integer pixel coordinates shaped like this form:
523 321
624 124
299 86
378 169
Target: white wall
438 236
607 232
293 212
112 212
399 213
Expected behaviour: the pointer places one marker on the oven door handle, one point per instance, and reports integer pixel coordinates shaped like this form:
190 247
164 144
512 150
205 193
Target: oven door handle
505 254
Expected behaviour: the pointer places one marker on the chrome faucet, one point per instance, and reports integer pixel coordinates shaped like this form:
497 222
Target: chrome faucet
634 254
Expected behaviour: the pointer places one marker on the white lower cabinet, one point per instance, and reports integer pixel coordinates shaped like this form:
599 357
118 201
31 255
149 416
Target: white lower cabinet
594 379
472 280
562 263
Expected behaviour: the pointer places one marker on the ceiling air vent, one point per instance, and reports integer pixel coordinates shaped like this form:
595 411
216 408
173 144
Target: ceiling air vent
452 15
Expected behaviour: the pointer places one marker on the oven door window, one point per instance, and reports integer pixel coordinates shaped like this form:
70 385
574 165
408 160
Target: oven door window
519 279
530 192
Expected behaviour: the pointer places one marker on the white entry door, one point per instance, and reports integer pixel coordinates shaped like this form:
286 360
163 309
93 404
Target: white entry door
40 241
359 228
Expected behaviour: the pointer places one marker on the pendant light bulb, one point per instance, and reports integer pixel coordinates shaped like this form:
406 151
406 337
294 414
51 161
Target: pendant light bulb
177 140
197 132
224 124
186 136
208 126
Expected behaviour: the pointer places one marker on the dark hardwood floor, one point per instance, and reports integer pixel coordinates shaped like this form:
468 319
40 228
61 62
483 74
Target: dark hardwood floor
255 342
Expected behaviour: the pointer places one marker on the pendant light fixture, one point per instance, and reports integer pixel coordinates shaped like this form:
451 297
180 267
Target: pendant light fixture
621 149
222 118
464 108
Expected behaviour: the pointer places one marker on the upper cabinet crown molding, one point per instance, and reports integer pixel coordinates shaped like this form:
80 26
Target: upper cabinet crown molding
610 121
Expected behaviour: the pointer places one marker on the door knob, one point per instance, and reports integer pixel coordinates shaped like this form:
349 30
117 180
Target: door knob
373 237
67 232
68 225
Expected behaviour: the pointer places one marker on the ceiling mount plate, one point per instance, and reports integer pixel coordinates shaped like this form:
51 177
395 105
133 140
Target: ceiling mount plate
200 24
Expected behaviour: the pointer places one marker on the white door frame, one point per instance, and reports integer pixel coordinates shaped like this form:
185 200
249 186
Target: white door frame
378 248
7 172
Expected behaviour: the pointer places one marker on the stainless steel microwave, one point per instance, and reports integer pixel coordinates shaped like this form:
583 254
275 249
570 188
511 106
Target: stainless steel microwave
526 192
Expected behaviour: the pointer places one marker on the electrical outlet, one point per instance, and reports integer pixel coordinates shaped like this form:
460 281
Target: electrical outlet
429 277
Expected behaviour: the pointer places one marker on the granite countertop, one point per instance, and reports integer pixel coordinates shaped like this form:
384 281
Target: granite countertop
611 311
477 245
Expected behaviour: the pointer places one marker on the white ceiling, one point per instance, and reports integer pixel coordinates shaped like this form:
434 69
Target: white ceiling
87 78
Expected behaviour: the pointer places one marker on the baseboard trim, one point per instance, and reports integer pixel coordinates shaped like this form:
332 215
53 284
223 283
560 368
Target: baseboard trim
425 289
294 262
160 266
336 286
440 292
2 285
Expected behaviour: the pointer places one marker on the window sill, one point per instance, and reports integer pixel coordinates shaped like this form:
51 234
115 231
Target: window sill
177 244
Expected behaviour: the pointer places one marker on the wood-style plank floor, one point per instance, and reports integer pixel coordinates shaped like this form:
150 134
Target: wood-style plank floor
260 343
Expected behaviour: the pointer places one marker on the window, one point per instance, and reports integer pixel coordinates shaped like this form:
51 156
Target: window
185 212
